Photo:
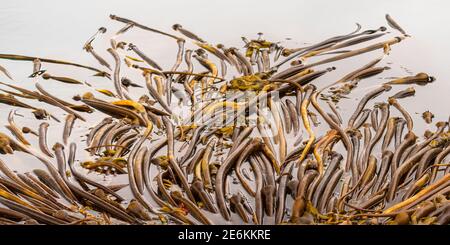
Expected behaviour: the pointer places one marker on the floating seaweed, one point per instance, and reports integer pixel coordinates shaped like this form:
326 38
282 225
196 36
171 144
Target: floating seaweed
239 137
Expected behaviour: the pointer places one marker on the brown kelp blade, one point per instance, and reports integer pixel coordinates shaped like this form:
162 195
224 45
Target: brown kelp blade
31 58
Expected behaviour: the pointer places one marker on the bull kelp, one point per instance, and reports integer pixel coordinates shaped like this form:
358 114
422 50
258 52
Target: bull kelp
223 135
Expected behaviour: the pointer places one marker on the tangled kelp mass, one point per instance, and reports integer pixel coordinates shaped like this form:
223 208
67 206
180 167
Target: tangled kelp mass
223 136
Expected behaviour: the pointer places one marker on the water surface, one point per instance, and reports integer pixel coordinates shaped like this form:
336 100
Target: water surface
58 29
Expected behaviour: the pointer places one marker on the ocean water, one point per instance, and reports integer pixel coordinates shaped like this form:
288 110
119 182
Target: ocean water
58 29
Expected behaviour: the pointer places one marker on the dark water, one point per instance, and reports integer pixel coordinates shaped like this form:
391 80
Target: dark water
58 29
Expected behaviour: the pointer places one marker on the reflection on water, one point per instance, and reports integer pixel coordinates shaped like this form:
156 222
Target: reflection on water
57 29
